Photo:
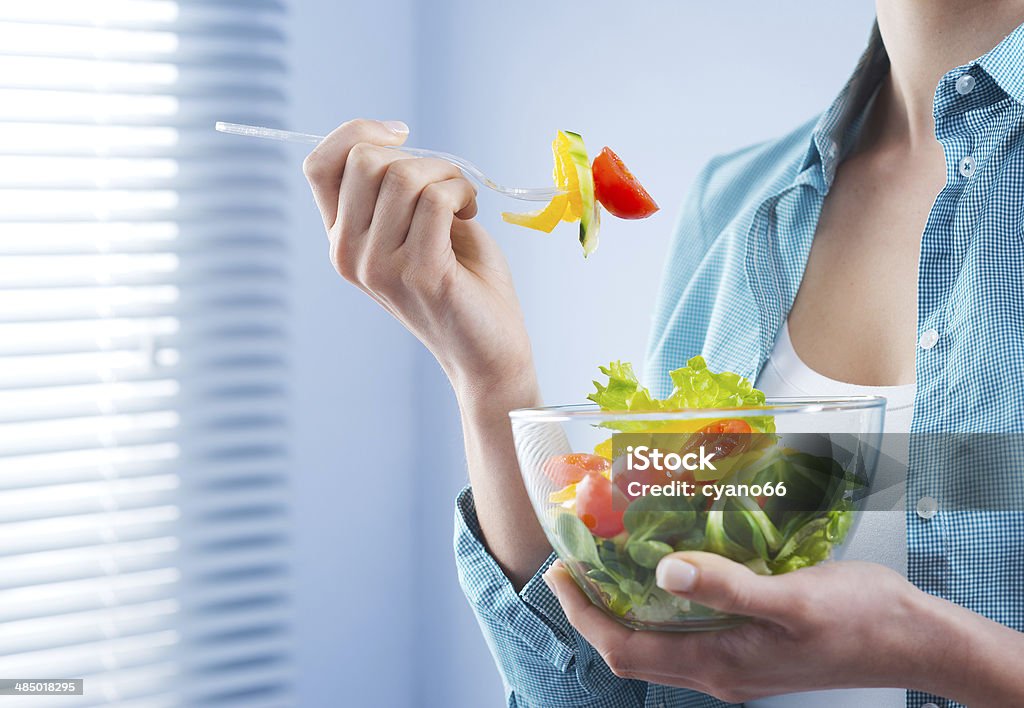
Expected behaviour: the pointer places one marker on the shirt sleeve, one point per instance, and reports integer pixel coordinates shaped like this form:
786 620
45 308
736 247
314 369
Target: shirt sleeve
543 660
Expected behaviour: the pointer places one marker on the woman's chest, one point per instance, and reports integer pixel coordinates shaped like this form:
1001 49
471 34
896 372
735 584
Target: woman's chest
854 316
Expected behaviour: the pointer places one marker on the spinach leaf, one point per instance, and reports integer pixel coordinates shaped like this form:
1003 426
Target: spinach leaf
616 600
646 554
660 518
720 541
577 539
632 588
793 543
694 540
757 537
600 576
808 546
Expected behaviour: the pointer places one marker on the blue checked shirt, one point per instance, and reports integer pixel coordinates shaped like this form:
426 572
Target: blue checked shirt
733 272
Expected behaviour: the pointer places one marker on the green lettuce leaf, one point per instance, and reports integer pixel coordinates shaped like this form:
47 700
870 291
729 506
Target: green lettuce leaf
694 386
623 392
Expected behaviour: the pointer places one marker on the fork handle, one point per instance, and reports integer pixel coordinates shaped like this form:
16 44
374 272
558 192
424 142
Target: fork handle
290 136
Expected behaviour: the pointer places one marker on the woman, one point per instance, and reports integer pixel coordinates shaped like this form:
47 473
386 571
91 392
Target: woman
884 242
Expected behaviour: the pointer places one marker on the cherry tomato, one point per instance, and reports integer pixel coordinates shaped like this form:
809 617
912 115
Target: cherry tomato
564 470
596 508
728 426
721 438
623 477
618 190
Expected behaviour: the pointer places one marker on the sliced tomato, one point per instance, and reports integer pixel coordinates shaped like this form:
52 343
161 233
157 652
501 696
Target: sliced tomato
618 190
596 508
569 469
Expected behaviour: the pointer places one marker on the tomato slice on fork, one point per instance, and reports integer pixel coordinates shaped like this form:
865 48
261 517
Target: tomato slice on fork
618 190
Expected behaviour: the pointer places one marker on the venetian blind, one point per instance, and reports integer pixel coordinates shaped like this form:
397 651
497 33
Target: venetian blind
142 330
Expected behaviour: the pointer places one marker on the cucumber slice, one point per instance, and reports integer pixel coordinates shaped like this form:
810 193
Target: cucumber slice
590 218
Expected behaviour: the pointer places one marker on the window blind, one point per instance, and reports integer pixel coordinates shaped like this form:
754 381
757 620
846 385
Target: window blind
143 537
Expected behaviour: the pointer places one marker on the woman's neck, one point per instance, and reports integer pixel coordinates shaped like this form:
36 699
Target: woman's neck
924 40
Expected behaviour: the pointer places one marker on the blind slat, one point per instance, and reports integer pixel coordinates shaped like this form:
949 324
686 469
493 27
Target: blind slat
83 627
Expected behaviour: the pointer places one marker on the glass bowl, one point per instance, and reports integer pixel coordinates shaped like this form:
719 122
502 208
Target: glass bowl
776 487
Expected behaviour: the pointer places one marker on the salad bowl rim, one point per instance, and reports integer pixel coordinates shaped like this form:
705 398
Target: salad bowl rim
774 406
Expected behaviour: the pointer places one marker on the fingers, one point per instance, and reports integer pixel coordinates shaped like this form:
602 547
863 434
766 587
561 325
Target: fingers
405 183
722 584
598 628
365 170
325 165
387 201
430 230
375 200
648 656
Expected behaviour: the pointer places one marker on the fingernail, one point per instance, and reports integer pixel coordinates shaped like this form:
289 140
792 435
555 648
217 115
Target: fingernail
396 126
676 575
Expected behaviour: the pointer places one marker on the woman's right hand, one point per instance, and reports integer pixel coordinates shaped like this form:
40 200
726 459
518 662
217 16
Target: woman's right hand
402 229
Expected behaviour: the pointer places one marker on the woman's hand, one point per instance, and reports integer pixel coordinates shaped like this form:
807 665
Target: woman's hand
838 625
402 229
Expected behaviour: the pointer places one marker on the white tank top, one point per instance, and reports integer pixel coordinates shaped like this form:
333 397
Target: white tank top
880 536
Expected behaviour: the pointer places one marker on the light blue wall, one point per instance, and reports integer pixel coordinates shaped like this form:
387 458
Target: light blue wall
353 409
667 85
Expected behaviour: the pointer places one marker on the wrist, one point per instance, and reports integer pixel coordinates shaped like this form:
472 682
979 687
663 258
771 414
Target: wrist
937 662
909 639
969 655
485 397
953 655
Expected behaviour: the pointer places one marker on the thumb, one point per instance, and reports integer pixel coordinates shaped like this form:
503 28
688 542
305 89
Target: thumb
722 584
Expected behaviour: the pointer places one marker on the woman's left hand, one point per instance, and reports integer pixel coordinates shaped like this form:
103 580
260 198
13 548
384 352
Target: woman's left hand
838 625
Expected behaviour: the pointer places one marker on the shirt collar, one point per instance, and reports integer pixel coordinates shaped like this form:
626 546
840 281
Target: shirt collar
836 131
1005 64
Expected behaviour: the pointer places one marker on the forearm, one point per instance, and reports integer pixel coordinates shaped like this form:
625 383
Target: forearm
976 661
510 528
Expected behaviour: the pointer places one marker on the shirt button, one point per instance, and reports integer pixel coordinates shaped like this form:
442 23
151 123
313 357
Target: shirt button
930 705
831 149
927 507
965 84
967 166
928 339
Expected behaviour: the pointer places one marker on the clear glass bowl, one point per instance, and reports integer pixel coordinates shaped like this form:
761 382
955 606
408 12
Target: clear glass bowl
610 530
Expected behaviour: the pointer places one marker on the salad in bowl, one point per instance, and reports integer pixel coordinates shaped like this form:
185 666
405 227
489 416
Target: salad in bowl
618 484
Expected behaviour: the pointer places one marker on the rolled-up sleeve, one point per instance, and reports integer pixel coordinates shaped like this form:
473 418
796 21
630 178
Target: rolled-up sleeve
543 660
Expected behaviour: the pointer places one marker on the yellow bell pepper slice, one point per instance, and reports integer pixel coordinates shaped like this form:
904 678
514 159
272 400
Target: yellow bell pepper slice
566 177
563 495
564 207
545 219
